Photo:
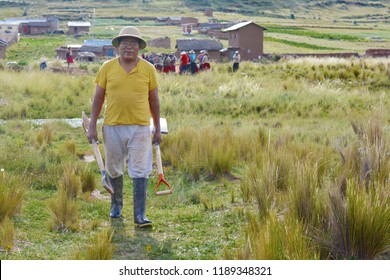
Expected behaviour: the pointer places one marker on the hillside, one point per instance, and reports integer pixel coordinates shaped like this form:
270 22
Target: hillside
298 26
280 160
305 9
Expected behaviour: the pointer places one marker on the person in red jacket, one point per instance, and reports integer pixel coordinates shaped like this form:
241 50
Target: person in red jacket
184 62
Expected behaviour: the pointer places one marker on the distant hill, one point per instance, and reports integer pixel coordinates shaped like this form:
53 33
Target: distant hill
373 9
256 7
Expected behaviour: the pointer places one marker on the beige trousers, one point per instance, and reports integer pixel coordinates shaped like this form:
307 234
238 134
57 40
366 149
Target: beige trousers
131 144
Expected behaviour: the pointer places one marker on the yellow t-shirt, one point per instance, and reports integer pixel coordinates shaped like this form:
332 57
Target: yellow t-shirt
127 95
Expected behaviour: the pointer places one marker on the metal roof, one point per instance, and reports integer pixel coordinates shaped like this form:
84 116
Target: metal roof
16 21
9 22
240 25
97 43
175 18
79 23
74 46
93 49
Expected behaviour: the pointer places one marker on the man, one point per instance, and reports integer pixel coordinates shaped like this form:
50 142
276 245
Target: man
236 61
129 86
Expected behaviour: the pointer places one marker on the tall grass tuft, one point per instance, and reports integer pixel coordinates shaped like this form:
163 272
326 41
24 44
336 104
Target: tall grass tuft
44 136
367 159
219 150
276 239
64 213
87 178
259 183
7 234
251 143
359 224
70 182
12 191
182 150
69 147
369 223
305 193
211 151
101 247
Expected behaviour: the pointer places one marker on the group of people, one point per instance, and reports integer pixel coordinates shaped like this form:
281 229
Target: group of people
189 62
165 62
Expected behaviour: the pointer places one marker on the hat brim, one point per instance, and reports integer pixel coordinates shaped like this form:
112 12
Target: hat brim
116 40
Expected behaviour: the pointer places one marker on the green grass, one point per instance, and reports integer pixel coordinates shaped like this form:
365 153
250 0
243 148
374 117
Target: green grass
265 163
313 34
35 48
298 44
108 19
249 155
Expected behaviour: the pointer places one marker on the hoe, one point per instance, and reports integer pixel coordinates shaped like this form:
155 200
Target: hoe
105 182
160 174
164 130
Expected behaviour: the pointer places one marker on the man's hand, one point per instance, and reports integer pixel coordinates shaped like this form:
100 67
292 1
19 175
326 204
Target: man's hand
92 134
157 137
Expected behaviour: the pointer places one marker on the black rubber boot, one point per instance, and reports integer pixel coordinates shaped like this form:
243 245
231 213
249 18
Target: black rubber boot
117 197
140 187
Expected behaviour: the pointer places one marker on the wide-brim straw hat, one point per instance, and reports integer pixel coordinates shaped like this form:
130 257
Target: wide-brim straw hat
129 31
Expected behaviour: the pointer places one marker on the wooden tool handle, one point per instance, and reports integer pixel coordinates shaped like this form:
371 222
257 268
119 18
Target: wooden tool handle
98 155
163 192
158 158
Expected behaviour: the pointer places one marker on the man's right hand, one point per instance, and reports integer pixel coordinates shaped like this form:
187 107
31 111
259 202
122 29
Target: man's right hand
92 134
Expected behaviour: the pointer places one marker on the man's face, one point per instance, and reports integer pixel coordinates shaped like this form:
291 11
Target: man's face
128 48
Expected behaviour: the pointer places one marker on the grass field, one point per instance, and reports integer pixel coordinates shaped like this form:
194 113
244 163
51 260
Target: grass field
330 28
256 157
280 160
